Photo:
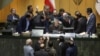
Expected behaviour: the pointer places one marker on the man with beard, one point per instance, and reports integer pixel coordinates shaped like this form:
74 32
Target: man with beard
81 22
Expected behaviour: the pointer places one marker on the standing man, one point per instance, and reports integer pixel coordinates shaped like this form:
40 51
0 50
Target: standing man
72 48
91 22
51 50
81 22
37 44
42 51
29 9
61 50
12 19
60 14
28 50
45 17
24 23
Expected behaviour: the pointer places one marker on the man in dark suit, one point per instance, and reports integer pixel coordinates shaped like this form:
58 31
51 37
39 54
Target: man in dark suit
25 23
44 17
81 25
30 9
68 20
28 50
91 22
12 19
72 48
61 50
42 51
60 14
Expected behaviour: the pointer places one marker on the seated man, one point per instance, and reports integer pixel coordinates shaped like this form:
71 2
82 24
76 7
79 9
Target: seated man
24 23
56 27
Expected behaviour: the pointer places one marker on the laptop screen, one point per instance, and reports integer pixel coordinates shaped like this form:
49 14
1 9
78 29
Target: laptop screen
37 32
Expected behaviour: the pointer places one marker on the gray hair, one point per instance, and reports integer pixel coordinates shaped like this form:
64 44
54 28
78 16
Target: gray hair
28 41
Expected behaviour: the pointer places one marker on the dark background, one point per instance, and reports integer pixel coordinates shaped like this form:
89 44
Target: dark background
13 46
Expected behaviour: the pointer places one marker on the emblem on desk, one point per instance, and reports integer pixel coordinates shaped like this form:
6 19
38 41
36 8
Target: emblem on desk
77 2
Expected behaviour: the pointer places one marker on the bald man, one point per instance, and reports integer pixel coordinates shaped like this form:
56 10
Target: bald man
28 50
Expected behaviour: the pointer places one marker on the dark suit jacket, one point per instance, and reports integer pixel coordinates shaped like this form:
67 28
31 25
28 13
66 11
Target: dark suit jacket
38 20
10 17
37 46
68 24
91 24
22 24
81 26
40 17
71 51
61 50
12 23
41 52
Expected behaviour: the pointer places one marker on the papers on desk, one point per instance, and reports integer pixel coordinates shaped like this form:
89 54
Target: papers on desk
83 34
69 35
26 34
66 35
53 35
93 36
16 34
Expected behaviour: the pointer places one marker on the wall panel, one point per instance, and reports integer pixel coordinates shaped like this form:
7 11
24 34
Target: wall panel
0 16
68 5
82 7
73 7
4 12
65 4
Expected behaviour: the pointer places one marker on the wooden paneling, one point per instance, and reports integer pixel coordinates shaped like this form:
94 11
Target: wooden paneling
73 7
3 13
82 7
65 4
57 4
68 5
0 16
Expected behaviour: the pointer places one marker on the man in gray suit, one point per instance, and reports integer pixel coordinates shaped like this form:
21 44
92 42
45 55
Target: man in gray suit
91 22
28 50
